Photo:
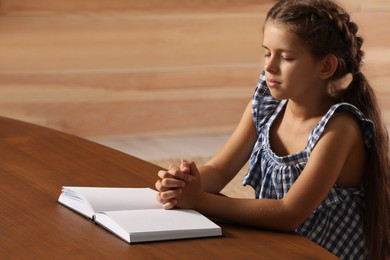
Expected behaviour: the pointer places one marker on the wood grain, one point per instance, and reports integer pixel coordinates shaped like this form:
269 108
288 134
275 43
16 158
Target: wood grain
36 162
119 67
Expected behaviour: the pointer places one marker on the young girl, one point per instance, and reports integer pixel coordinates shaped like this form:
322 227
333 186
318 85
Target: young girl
318 149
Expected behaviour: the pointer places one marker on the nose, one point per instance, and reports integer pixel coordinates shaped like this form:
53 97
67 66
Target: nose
270 65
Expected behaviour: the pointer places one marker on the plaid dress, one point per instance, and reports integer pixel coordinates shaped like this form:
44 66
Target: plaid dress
337 223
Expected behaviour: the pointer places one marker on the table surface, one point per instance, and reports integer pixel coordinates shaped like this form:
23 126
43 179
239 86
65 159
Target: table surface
35 162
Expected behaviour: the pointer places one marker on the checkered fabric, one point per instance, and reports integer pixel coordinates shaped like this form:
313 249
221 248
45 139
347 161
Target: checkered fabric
337 223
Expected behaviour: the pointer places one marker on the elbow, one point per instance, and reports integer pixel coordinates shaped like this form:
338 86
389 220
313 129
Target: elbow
290 219
289 224
279 215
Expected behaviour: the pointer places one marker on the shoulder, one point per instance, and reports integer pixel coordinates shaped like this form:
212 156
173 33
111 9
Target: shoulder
345 118
339 134
344 128
344 121
344 142
342 145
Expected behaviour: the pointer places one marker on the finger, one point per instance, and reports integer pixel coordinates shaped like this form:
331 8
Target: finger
175 172
173 183
170 194
173 167
164 174
184 166
167 184
167 204
160 187
194 170
160 198
170 204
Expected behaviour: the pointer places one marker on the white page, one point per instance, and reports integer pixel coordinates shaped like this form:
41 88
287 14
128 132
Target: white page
111 199
150 225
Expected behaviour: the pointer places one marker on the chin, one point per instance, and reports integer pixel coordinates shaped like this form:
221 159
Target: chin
277 95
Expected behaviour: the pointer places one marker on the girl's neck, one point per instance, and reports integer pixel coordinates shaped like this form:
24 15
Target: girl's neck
310 108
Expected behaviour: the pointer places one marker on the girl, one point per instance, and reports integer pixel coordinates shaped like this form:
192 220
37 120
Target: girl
317 146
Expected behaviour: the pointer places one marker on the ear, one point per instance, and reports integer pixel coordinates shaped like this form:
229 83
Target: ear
329 66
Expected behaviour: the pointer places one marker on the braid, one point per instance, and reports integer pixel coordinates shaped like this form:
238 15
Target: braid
347 44
353 42
325 28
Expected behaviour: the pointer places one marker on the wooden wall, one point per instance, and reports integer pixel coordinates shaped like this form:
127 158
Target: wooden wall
117 67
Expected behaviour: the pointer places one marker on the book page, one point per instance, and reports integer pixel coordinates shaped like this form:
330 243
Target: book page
151 225
112 199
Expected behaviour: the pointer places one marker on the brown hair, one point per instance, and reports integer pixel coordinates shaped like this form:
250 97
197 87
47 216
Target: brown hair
325 28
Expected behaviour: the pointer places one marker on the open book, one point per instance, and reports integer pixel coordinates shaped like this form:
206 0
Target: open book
134 215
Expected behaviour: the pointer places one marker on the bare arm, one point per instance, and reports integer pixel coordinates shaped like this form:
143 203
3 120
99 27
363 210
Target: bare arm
340 145
217 172
222 167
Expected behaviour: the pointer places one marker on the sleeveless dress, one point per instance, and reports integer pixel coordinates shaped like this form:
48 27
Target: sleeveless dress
337 223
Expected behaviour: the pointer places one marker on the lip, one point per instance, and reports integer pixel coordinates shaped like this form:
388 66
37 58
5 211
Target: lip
273 83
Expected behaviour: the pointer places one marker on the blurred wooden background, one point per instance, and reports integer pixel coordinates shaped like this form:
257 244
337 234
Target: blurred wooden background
125 68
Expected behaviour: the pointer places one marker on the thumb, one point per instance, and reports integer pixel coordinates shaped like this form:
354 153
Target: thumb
193 169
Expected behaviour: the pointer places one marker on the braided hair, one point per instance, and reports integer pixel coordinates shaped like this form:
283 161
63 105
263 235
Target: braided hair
325 28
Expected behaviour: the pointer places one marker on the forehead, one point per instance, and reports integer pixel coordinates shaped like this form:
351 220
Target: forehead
278 36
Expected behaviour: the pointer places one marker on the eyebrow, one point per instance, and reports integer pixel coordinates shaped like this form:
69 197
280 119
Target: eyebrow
279 50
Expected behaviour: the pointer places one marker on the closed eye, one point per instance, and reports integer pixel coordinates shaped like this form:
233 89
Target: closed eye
287 58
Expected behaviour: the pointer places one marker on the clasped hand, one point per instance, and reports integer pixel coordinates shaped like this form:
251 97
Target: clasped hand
179 186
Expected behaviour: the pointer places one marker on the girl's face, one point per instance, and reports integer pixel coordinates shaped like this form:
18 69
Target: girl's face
291 70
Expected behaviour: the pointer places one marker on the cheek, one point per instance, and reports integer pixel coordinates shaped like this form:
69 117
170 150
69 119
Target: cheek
295 79
298 72
293 73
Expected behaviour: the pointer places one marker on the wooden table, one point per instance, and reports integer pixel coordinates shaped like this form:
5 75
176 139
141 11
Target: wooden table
35 162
